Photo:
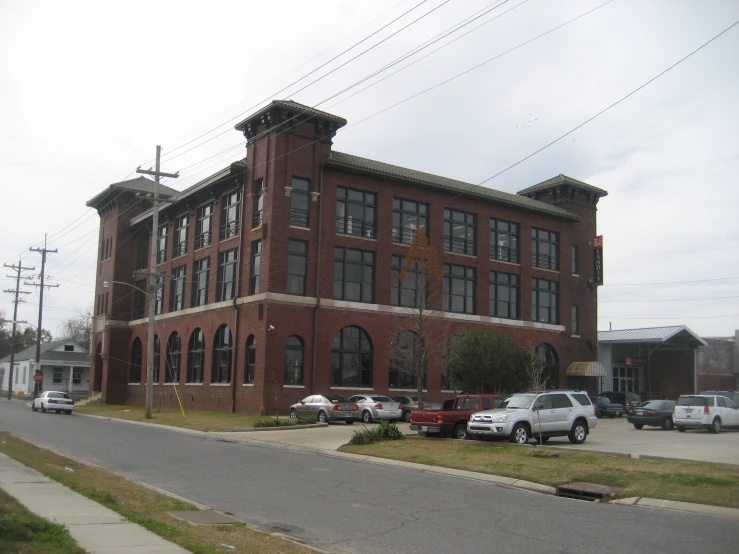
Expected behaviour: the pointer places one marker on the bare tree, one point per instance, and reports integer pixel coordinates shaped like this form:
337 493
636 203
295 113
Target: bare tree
77 329
537 375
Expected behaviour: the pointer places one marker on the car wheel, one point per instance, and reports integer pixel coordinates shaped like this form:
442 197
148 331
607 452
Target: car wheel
460 431
293 413
520 434
667 424
578 433
366 417
68 412
33 407
43 408
715 426
350 422
321 417
621 414
407 416
638 426
681 429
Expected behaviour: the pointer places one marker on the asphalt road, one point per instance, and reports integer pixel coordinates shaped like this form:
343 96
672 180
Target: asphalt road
348 506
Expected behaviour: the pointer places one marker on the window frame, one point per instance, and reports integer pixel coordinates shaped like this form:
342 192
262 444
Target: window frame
397 290
222 345
575 321
297 371
257 210
552 290
365 356
139 299
345 223
514 294
177 289
300 217
200 282
255 266
250 362
137 355
341 262
173 359
549 259
162 243
404 376
230 222
226 290
402 216
203 230
575 261
469 298
468 244
196 357
157 362
179 237
293 262
159 296
509 254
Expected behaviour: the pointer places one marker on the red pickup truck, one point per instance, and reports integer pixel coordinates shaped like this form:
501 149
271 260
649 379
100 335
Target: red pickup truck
453 422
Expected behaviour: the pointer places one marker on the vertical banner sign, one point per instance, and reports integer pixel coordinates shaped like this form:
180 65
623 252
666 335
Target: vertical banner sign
598 260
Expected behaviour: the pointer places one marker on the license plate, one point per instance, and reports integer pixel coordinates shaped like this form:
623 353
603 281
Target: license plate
424 428
640 412
688 410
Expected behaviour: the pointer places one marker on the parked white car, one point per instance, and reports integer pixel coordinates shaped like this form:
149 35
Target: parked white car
705 411
375 406
59 402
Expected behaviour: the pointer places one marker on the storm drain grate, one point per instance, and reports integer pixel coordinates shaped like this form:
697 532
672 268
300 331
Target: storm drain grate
588 491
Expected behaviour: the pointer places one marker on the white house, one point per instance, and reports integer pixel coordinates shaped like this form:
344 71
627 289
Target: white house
65 366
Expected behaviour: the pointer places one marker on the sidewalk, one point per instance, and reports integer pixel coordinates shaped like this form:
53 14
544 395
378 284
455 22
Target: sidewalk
96 529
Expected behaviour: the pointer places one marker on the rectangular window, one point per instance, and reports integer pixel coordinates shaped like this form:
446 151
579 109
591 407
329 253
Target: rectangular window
162 244
504 291
460 232
626 379
225 287
57 376
354 275
258 206
544 301
503 241
404 284
545 249
575 260
459 289
355 212
256 266
179 242
159 296
409 215
230 214
200 278
204 226
177 289
106 249
103 243
142 252
76 376
300 202
297 265
105 303
139 299
575 320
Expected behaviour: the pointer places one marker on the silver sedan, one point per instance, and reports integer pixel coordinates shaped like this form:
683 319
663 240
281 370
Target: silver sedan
325 409
373 406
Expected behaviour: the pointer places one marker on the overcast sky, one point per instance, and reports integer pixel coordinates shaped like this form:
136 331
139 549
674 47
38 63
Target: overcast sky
87 91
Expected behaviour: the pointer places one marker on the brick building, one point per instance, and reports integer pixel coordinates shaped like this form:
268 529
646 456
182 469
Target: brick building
287 261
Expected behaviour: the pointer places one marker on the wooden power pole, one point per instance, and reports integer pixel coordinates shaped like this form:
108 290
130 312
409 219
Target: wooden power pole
41 286
18 270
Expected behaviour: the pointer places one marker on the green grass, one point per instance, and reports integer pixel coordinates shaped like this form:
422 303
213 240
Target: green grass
683 481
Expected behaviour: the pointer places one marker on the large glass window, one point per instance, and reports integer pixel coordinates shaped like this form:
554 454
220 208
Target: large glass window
544 301
355 212
503 241
172 361
134 372
354 275
409 216
293 361
200 278
157 359
300 202
179 243
256 266
504 291
226 284
196 357
204 226
407 361
459 289
159 296
251 359
404 284
177 289
626 379
162 244
460 234
575 260
545 249
549 363
139 299
258 204
351 358
575 320
222 352
230 214
297 265
142 251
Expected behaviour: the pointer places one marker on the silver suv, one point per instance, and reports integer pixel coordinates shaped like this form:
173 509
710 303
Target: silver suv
528 415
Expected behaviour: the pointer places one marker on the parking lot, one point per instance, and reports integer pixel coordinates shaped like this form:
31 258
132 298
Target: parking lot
611 435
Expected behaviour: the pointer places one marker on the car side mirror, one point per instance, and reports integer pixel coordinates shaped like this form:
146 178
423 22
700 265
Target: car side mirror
302 401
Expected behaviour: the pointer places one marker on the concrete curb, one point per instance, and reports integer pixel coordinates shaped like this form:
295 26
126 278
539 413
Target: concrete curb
257 429
674 505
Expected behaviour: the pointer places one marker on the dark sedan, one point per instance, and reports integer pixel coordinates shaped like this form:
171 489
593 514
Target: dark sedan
655 413
604 407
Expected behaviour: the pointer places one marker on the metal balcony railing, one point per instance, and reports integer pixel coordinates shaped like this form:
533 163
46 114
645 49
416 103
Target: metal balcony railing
459 245
299 218
203 239
179 249
542 261
229 230
504 254
355 227
256 220
161 256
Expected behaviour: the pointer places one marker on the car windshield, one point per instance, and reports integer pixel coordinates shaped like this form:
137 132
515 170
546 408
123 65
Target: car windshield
654 404
604 400
381 399
518 401
692 401
336 399
57 395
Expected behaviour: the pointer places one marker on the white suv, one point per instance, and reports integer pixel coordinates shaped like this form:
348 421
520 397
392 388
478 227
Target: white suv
705 410
527 415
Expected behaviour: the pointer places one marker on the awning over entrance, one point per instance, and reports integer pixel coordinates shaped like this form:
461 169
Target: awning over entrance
586 369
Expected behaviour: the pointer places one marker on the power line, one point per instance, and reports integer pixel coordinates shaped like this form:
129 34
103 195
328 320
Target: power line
670 317
670 282
671 300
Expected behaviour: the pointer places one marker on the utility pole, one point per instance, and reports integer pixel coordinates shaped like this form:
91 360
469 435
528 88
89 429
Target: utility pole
153 278
18 269
41 286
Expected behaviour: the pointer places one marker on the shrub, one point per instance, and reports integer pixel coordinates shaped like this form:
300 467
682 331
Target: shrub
385 431
284 422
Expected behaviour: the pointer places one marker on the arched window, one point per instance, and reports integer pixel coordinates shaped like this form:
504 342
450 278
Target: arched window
251 359
351 358
196 357
134 372
172 365
294 361
407 361
157 352
222 351
446 383
550 363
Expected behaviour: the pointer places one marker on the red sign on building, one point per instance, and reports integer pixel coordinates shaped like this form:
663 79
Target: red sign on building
598 241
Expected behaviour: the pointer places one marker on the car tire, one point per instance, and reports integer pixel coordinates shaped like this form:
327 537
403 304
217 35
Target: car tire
680 428
293 413
638 426
578 433
621 414
667 424
366 416
68 412
33 407
43 408
407 416
460 432
715 425
520 434
322 417
350 422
